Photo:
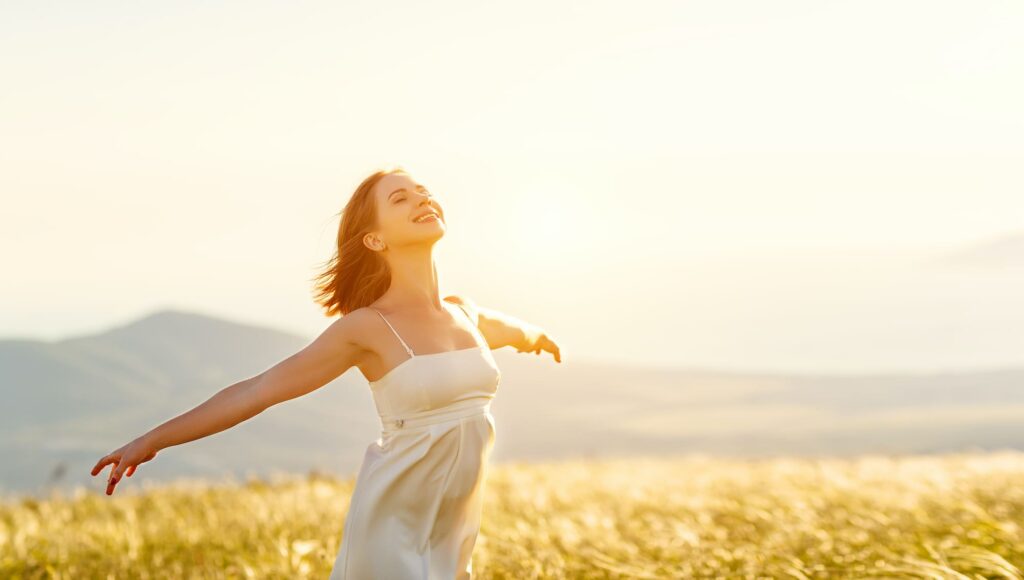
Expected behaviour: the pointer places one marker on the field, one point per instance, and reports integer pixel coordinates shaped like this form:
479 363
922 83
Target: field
953 516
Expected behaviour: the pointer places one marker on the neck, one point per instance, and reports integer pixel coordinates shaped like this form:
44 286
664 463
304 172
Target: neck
414 279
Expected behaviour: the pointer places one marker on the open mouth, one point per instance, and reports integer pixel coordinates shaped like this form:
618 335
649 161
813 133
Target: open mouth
430 217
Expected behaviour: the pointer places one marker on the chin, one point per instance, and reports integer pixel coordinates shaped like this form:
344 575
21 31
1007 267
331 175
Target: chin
432 236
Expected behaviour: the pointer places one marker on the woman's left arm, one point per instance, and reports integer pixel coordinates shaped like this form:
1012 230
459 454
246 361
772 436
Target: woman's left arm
502 329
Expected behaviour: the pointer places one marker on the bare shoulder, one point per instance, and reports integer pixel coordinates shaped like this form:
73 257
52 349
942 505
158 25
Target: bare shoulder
357 325
468 304
345 333
354 330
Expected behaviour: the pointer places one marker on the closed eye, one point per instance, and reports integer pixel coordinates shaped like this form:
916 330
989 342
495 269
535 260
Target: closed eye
421 188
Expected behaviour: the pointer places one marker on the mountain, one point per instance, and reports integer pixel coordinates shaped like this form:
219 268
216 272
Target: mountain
68 402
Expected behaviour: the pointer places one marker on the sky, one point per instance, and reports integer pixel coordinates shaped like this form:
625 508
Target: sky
788 186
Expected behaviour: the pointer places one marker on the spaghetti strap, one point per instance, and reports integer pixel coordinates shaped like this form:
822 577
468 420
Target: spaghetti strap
459 304
476 330
407 349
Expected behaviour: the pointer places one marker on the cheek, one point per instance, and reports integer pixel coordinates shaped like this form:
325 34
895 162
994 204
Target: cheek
401 227
397 218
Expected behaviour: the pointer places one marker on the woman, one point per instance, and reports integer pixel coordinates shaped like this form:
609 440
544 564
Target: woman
416 506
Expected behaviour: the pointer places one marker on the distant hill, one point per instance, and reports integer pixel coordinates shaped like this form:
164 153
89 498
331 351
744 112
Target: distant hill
66 403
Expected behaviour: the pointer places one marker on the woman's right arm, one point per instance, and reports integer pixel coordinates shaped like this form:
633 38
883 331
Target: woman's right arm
332 353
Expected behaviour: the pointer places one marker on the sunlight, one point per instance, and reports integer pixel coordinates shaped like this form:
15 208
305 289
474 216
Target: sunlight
559 222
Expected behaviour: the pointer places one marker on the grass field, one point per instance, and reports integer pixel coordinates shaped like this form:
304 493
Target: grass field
954 516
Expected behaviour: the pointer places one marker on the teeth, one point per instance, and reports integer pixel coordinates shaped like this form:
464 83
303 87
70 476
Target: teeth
423 218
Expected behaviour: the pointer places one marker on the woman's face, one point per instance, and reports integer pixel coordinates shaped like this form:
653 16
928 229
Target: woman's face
407 212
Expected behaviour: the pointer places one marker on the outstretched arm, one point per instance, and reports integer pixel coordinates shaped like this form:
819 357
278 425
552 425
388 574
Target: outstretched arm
502 329
331 354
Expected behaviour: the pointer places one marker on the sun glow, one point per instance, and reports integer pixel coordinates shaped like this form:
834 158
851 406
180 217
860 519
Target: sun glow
554 222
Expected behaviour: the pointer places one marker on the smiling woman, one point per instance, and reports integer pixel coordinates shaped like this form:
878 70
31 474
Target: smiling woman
417 504
354 276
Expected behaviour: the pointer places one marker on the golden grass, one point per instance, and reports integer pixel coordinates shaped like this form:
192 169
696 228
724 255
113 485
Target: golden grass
954 516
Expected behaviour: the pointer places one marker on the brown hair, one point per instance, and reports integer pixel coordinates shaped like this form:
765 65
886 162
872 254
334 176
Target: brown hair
355 275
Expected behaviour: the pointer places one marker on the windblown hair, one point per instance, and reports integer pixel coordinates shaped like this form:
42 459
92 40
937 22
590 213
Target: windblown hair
355 275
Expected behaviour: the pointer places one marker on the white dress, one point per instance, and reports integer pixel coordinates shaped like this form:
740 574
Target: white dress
416 506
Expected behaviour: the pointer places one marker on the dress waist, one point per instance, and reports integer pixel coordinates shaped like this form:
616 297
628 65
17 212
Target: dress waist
458 410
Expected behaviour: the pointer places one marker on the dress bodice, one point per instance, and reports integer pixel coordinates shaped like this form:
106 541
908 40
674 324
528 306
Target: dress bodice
428 383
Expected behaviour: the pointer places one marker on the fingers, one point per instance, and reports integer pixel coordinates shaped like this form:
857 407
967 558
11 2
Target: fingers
119 471
121 466
115 475
103 461
553 348
546 344
110 480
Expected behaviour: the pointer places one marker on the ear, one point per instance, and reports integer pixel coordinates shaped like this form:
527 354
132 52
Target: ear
373 243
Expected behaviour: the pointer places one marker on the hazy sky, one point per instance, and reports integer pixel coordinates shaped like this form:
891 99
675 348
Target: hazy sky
806 186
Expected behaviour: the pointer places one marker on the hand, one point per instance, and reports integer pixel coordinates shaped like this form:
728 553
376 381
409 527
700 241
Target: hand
128 457
545 342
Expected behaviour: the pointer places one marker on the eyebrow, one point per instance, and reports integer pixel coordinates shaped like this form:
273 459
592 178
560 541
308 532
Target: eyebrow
402 189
